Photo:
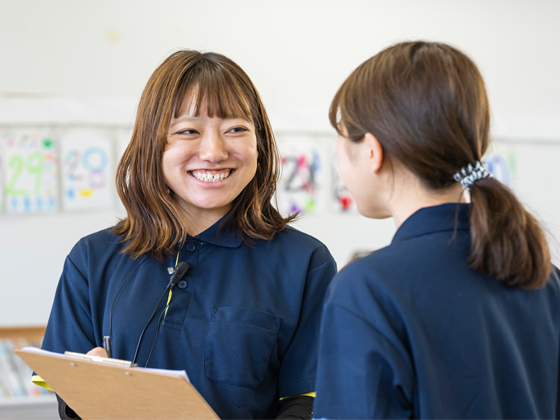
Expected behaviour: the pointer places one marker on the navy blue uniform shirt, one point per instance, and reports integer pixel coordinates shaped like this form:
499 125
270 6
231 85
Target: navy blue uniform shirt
412 331
243 323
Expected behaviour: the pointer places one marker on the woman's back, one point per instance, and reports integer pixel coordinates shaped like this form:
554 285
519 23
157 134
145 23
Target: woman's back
437 339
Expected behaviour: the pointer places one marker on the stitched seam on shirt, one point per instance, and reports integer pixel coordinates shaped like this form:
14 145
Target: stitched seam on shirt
320 265
87 312
246 323
376 330
78 270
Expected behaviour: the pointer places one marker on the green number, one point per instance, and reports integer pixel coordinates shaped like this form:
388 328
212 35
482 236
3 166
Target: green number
35 166
16 162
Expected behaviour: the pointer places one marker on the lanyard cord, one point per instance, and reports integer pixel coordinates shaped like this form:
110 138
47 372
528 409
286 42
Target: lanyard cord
117 295
163 313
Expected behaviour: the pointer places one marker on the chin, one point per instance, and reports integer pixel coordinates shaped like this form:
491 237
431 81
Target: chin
374 213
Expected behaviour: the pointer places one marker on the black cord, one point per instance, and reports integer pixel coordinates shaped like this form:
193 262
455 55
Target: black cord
169 286
114 300
155 339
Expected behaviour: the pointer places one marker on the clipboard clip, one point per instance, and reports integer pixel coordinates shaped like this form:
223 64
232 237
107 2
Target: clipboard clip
99 359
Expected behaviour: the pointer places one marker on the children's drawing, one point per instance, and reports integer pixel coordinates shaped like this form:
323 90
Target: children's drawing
31 172
87 160
299 186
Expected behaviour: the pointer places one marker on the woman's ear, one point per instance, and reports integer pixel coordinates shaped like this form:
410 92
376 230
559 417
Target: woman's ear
375 151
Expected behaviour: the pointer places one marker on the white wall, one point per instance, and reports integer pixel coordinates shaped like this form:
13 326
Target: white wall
296 52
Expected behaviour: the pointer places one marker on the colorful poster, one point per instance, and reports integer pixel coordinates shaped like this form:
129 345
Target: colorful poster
299 186
87 160
31 168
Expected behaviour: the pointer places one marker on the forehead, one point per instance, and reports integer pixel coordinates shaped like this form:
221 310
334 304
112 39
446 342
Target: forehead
190 110
221 100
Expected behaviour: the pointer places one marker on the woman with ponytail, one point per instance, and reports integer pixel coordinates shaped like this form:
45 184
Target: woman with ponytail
459 317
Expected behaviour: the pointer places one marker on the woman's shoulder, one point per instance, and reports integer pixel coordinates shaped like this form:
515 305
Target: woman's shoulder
366 278
96 244
302 244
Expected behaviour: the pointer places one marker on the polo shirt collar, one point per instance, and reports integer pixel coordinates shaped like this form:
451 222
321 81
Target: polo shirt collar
226 236
434 219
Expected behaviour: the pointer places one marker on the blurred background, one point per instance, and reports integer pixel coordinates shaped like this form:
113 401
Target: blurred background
72 72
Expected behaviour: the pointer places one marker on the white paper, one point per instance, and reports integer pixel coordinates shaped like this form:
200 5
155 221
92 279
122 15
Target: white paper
87 162
168 372
31 169
302 181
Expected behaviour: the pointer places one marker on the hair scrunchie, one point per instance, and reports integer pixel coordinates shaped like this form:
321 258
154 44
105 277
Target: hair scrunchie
468 175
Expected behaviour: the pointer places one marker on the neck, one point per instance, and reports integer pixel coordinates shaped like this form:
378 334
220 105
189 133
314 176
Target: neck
411 196
201 219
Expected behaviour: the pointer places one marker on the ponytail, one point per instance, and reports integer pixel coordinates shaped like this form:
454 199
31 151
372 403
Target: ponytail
506 241
426 103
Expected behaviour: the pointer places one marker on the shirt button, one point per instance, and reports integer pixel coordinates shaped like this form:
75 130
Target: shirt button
191 246
182 284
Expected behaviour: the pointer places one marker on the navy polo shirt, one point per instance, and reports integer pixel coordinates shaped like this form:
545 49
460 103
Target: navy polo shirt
412 331
243 323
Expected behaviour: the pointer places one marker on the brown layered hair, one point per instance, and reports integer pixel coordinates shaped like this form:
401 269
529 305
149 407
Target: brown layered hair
217 86
426 103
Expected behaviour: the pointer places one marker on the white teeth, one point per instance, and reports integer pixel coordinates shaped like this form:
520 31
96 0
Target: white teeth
211 176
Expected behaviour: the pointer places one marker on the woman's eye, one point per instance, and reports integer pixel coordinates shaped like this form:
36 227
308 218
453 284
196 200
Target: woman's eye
186 132
238 129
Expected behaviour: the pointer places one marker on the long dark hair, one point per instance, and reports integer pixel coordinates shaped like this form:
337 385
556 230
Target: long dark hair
155 222
426 103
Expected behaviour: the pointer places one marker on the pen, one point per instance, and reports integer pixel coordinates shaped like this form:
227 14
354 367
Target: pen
107 346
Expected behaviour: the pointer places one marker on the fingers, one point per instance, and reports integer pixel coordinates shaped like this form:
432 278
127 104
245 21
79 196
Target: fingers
98 351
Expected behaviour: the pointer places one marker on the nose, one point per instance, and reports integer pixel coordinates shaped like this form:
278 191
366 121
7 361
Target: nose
213 148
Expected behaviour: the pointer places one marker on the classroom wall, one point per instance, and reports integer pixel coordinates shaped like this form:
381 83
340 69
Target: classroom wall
68 65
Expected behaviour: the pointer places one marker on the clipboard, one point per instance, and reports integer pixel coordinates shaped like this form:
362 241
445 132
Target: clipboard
101 389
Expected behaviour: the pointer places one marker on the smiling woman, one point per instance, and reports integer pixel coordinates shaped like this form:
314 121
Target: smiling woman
199 114
197 180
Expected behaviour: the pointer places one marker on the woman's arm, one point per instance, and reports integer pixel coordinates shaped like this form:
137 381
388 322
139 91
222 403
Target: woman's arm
361 373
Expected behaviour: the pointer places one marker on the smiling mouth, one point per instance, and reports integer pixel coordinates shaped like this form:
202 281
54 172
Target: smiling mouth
211 175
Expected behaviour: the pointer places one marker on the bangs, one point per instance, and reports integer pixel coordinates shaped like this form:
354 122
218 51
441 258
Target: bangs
337 109
212 90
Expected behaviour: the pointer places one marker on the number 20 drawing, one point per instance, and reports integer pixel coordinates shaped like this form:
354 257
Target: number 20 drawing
86 166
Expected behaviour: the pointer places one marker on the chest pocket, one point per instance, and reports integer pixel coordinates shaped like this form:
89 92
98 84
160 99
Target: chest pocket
239 345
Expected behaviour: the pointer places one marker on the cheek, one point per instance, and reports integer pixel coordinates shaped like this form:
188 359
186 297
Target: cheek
171 161
248 153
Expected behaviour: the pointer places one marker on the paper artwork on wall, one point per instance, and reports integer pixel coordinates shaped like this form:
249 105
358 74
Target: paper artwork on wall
300 184
87 160
31 172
